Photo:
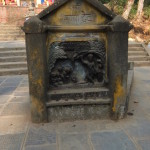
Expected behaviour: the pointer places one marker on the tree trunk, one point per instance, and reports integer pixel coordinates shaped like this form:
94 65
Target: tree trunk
140 8
128 9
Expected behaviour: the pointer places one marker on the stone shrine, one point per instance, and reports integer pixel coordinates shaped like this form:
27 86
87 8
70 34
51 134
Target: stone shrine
77 53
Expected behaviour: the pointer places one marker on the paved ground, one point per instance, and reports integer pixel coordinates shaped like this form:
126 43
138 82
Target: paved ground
17 132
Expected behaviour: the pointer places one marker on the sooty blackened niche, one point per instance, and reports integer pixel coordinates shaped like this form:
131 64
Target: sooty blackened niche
77 63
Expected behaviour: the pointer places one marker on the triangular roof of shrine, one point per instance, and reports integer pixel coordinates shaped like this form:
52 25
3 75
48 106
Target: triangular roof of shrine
96 4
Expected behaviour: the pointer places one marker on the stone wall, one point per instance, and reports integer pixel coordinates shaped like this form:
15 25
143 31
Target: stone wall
14 15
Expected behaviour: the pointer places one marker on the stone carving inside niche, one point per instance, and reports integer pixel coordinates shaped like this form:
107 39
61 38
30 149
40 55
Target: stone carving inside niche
77 63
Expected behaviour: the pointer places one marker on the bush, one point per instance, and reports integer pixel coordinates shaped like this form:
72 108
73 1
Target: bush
147 11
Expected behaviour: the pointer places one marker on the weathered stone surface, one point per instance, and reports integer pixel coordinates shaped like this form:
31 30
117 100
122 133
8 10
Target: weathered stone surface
13 125
24 85
72 127
14 79
141 129
21 99
81 112
11 141
41 147
4 99
1 108
136 126
40 136
16 93
22 89
74 142
7 90
2 79
15 109
8 84
76 58
145 144
111 140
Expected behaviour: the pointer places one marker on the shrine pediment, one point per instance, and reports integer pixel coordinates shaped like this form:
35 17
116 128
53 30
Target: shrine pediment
76 12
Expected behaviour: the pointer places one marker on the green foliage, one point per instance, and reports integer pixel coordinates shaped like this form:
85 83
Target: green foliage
105 1
133 11
119 5
119 10
147 11
121 2
118 2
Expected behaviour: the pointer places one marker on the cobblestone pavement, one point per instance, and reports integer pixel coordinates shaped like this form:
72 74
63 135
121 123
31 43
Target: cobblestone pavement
18 133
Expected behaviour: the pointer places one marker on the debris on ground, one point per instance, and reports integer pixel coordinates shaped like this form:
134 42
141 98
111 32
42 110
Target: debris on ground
141 30
130 114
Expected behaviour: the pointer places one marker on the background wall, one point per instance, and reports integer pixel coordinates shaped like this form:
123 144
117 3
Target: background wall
14 15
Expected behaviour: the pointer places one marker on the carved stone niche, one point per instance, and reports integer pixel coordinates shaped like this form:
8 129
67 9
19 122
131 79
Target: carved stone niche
77 52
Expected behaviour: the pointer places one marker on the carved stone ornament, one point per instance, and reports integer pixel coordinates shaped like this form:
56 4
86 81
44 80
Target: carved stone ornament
77 63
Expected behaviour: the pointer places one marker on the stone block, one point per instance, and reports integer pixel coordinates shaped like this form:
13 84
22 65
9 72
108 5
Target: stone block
78 112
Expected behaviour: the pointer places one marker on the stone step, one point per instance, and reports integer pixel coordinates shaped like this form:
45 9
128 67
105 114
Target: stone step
140 53
13 53
102 101
11 35
86 110
12 49
14 33
11 38
13 59
141 63
14 71
78 93
10 27
13 65
135 45
11 31
136 49
139 58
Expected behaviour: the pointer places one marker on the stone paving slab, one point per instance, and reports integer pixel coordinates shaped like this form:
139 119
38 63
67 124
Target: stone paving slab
15 109
4 99
39 136
112 140
41 147
6 90
20 99
11 141
18 133
141 130
145 144
13 125
74 142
